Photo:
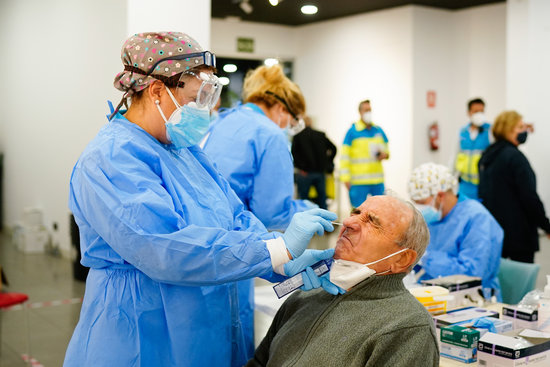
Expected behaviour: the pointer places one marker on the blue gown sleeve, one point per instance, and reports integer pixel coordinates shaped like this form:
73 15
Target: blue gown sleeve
482 238
271 200
135 215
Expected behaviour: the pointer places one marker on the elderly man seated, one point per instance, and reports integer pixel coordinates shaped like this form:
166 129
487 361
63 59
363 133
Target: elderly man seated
464 236
377 322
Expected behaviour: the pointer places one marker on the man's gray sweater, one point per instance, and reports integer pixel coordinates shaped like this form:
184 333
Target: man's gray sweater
377 323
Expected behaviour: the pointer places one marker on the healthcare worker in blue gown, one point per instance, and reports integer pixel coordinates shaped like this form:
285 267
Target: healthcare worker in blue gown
249 145
163 233
464 236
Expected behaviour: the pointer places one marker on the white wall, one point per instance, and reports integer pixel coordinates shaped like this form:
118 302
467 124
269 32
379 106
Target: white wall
528 81
392 57
189 16
433 63
59 61
367 56
460 55
270 40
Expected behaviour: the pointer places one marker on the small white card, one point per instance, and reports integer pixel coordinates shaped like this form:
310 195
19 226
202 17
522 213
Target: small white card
534 334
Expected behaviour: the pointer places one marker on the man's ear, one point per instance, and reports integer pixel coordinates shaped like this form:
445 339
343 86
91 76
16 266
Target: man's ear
405 260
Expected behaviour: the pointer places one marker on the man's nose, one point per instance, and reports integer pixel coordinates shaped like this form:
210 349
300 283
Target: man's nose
350 223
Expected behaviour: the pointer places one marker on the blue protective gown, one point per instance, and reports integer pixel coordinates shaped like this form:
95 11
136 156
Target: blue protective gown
467 241
166 238
252 154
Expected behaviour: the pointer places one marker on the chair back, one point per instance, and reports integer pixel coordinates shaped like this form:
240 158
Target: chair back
516 279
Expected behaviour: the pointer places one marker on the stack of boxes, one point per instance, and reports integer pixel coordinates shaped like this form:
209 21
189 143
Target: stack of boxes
475 334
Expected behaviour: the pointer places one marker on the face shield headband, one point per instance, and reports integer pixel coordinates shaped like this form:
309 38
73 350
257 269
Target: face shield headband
297 124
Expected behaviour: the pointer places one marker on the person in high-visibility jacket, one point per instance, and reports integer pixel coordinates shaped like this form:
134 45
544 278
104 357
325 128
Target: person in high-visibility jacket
364 148
474 139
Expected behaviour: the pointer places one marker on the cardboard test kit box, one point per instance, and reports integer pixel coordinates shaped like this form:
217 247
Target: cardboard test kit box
523 347
460 343
522 318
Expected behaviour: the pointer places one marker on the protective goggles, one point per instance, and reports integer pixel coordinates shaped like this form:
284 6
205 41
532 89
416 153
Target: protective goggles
201 58
209 91
297 124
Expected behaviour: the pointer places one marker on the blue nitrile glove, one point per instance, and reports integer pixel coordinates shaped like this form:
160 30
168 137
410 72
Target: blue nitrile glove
310 204
312 281
485 323
308 258
303 226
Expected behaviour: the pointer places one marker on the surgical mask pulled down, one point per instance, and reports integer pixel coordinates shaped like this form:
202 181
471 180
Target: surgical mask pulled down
345 274
430 213
187 125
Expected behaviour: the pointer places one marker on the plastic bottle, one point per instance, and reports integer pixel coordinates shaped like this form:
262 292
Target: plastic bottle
544 308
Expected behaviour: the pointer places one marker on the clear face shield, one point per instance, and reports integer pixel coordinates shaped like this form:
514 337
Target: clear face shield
209 90
297 124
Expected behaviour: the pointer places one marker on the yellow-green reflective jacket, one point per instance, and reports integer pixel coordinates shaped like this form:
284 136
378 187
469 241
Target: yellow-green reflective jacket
358 162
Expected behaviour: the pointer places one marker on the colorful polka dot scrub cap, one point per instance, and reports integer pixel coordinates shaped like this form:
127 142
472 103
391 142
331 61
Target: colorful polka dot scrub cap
429 178
157 56
141 52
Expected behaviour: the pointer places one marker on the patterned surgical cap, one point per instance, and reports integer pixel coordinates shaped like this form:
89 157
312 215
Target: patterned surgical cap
429 178
141 51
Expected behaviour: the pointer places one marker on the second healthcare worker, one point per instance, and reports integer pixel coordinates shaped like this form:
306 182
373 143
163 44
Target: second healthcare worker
249 146
164 235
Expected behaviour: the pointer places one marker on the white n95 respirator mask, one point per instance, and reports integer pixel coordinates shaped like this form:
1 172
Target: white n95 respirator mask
478 118
367 117
345 274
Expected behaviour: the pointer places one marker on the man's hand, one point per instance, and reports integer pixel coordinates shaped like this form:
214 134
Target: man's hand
382 155
348 185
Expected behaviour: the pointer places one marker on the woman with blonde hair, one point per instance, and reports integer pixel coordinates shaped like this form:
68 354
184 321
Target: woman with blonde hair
249 146
508 189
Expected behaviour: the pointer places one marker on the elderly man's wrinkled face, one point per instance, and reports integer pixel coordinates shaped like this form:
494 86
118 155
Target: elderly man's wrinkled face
373 231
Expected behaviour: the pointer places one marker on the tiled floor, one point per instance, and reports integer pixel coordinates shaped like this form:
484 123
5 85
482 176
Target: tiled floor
43 278
47 278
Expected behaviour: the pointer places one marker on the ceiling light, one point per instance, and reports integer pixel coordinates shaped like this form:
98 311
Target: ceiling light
246 7
270 62
274 2
309 9
230 68
224 80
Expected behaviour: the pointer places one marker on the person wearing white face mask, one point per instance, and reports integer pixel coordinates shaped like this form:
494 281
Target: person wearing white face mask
474 139
377 322
365 147
464 236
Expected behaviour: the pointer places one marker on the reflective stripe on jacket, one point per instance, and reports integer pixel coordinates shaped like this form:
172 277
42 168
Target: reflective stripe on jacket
470 152
358 162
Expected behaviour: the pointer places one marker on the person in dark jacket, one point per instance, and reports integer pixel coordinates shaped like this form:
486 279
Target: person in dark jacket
508 189
313 155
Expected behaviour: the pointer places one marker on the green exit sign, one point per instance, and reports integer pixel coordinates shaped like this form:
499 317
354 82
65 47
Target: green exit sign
245 44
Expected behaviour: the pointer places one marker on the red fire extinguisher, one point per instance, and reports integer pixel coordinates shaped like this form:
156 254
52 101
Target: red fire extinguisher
433 136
